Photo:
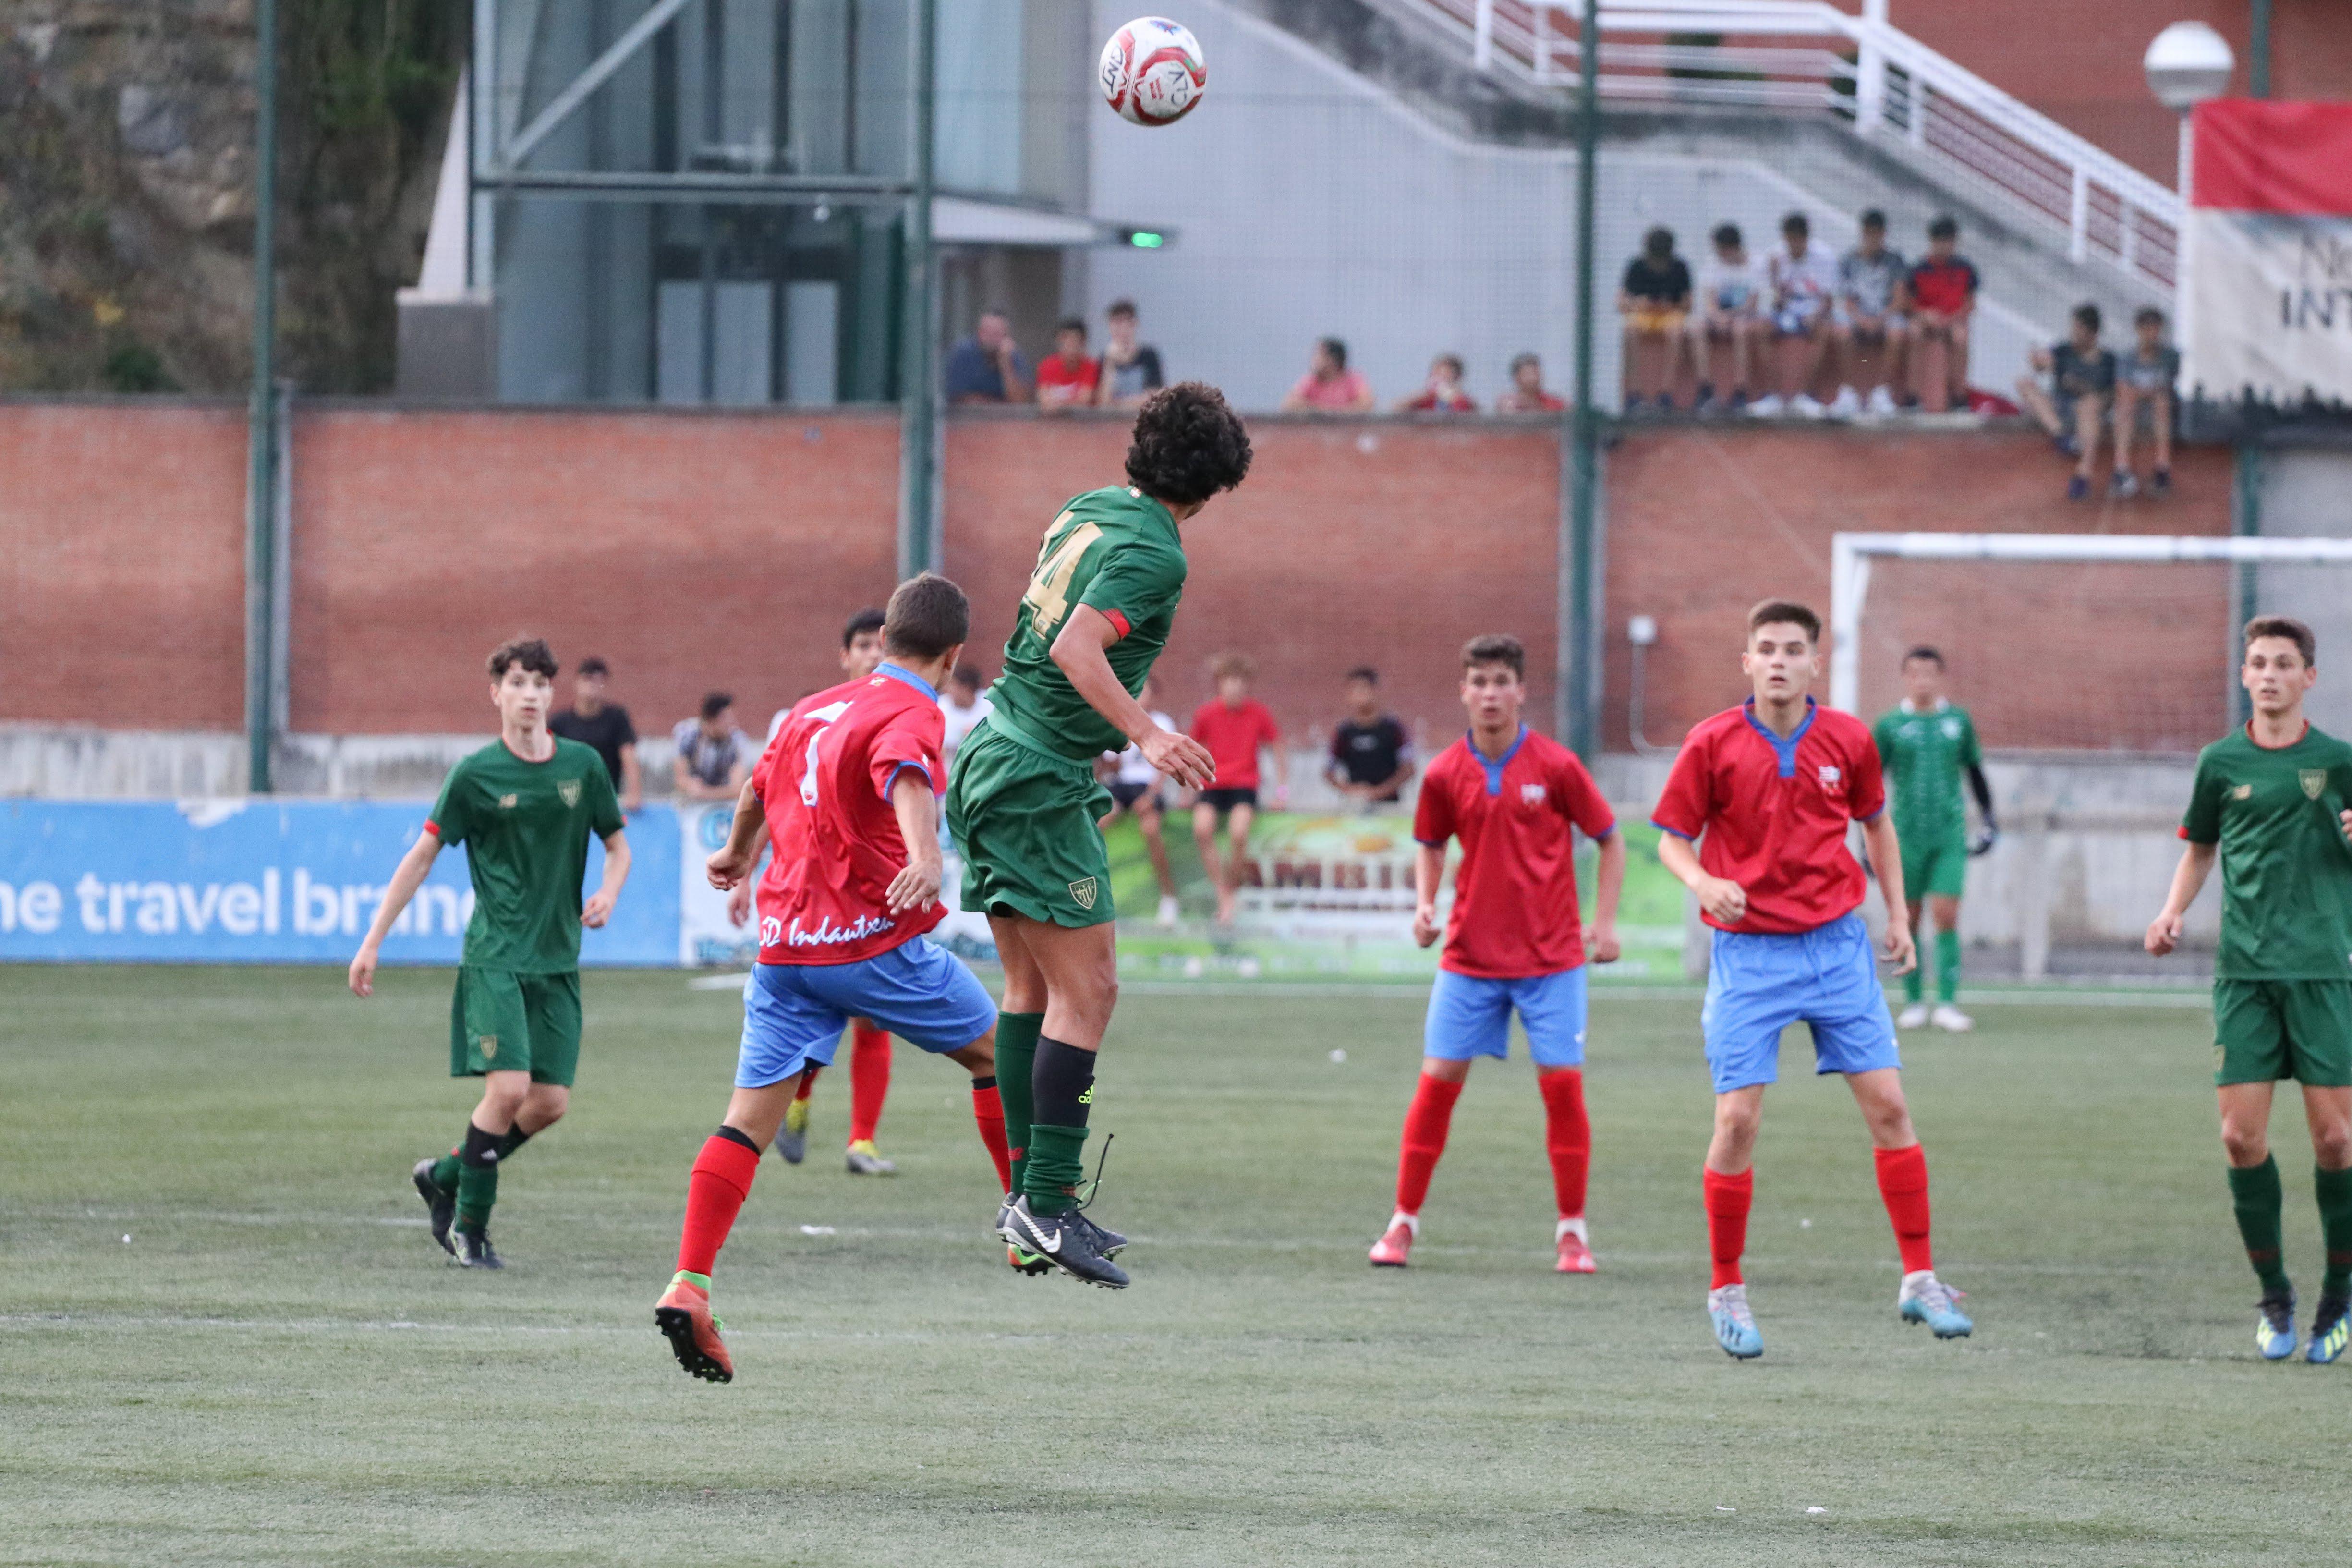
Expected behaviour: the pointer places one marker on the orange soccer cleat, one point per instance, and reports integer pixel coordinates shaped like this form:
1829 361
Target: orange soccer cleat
1394 1249
683 1315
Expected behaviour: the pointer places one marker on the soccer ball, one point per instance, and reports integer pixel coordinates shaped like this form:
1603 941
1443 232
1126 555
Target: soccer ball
1151 72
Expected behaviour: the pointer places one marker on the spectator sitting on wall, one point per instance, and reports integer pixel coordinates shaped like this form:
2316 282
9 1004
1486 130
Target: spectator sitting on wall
1730 302
1371 750
1943 297
592 721
2144 382
1129 370
713 756
1066 378
2073 408
1442 393
1330 387
987 367
963 707
1654 298
1872 293
1526 394
1804 281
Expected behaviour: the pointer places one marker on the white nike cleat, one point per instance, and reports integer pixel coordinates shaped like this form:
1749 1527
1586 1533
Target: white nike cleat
1915 1016
1950 1019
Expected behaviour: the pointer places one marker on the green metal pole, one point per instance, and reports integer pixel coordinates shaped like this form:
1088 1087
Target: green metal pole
2258 50
919 421
1579 716
261 483
2245 520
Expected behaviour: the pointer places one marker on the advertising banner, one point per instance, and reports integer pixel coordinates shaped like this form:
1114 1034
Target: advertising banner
272 881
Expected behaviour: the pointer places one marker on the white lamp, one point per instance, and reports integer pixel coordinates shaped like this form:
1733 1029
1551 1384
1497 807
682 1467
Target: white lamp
2188 63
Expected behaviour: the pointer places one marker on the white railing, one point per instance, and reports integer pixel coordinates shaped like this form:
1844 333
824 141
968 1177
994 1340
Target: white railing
1883 83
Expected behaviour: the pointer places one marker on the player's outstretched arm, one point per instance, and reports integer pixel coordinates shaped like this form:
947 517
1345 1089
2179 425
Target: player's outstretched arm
1607 883
1428 873
1726 900
1078 652
599 906
730 864
405 881
1887 857
2188 881
917 811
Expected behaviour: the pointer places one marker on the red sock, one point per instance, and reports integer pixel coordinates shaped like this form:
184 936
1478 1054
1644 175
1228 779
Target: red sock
808 1080
1567 1138
714 1195
989 1111
869 1078
1425 1126
1903 1183
1728 1198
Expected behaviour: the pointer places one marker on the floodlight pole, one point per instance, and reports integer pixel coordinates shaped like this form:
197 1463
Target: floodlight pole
918 401
261 432
1578 721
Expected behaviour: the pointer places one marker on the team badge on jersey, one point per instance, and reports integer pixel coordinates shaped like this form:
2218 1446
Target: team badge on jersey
506 802
1531 795
1085 889
2243 791
1830 775
570 790
2315 782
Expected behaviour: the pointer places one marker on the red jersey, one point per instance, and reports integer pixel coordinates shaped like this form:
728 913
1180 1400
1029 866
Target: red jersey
1514 912
1774 811
1066 386
824 785
1233 736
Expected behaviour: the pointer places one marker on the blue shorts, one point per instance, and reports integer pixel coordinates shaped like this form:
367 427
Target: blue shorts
1469 1016
794 1013
1758 985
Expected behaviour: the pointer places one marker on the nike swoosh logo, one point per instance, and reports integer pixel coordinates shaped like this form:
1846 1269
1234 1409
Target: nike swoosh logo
1052 1243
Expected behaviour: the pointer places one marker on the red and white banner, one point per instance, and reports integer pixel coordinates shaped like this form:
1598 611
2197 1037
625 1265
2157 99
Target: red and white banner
2267 265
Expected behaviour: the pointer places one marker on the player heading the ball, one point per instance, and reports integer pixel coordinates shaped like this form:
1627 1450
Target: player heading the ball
1023 801
849 793
1512 797
1754 820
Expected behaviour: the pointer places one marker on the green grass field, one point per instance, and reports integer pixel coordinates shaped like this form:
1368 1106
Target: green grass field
225 1336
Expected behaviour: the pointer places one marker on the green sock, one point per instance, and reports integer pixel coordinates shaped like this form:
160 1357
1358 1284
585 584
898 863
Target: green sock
1057 1165
2335 1190
1948 965
1913 983
477 1191
2254 1193
1016 1058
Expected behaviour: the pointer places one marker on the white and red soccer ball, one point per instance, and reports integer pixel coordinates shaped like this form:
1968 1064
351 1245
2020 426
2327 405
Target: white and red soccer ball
1151 72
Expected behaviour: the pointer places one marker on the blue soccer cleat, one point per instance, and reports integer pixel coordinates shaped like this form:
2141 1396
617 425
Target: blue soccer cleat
2275 1327
2330 1331
1924 1299
1735 1325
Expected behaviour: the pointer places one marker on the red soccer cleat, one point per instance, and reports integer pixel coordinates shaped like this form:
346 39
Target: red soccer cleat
1394 1249
1575 1256
683 1315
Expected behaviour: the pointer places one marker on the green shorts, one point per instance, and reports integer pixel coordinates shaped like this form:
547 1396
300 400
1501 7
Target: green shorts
2266 1029
1024 821
1935 866
501 1021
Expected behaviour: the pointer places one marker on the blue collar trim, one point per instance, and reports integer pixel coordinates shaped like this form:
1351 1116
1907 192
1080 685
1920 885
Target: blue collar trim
909 677
1494 768
1787 750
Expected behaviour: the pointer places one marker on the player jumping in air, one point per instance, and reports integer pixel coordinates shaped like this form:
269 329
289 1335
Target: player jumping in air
523 806
869 1046
849 793
2271 799
1754 819
1023 801
1510 796
1926 745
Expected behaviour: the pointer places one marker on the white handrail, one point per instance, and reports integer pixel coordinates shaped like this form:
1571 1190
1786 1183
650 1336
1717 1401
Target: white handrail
2110 213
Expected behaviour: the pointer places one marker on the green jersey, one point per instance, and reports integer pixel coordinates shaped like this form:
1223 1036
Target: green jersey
2286 871
1117 550
525 826
1925 754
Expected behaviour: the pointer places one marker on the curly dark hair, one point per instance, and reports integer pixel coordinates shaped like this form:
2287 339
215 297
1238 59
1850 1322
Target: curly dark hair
527 651
1188 445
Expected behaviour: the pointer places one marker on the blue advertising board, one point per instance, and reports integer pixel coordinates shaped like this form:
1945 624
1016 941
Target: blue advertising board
274 881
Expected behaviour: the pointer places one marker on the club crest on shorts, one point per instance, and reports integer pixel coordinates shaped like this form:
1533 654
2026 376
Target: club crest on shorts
569 789
1084 890
490 1044
2315 782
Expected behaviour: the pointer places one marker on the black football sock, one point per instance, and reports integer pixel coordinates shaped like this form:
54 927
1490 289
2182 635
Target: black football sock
478 1178
515 1138
1062 1091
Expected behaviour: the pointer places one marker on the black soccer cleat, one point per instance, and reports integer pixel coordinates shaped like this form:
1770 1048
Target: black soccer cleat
1069 1241
1108 1242
440 1202
473 1250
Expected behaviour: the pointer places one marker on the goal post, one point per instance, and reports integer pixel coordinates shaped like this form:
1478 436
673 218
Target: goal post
1850 555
